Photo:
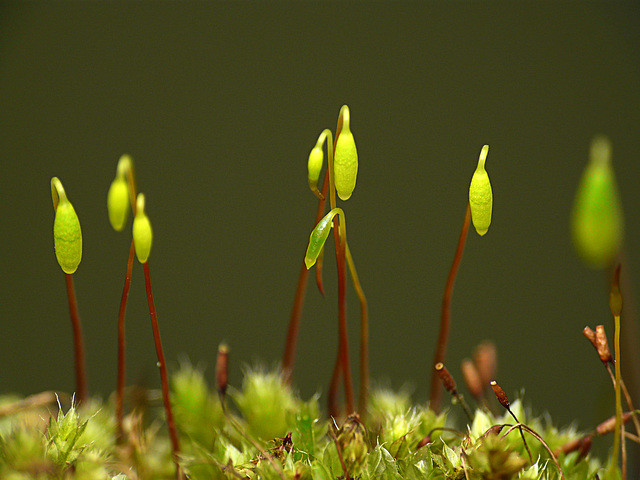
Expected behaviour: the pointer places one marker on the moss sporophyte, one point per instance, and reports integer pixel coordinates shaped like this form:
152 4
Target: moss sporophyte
263 429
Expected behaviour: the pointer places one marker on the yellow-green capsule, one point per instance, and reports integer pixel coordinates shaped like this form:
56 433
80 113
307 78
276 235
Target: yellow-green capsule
314 166
319 236
142 233
597 221
345 162
67 236
481 195
118 203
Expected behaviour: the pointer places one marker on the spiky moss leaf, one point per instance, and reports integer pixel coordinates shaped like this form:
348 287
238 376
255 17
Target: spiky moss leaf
91 465
398 432
492 459
64 433
383 402
482 421
99 431
308 429
267 404
23 450
198 414
320 472
380 464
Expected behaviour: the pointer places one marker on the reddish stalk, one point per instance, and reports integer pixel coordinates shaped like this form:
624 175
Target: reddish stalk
343 345
121 347
435 397
81 372
332 393
364 337
291 344
173 434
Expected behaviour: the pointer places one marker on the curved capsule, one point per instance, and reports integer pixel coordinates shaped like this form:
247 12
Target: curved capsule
319 236
597 220
345 162
314 166
481 195
142 233
67 235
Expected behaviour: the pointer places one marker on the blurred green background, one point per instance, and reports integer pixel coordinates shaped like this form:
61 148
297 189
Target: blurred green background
219 104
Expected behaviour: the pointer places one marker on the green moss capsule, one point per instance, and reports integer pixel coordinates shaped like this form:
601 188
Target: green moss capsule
314 166
118 203
142 233
481 195
118 196
319 236
345 163
597 221
67 235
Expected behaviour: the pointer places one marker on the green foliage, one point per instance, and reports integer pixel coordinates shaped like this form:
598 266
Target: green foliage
278 435
267 404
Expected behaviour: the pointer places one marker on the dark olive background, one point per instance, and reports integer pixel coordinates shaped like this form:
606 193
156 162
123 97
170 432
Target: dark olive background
219 104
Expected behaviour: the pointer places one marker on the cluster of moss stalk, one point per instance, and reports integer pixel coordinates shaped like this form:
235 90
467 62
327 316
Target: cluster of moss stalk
263 429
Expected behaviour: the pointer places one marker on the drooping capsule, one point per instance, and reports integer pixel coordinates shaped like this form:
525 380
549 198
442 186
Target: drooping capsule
319 236
142 233
314 166
481 195
67 235
597 220
345 162
118 196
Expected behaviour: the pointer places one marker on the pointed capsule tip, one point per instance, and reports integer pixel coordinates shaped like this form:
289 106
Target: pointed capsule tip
309 262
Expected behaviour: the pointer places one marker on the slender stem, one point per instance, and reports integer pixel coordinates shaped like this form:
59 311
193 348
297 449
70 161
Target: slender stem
343 345
288 360
78 342
364 336
340 237
173 434
627 396
616 438
435 397
121 347
332 393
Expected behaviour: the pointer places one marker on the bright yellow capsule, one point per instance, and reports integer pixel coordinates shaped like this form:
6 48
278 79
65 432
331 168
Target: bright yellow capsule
118 203
118 196
345 162
597 220
481 195
314 166
67 235
142 233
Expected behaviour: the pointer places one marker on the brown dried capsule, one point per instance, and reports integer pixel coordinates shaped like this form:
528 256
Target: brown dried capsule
222 369
591 336
500 395
602 346
447 380
609 424
486 359
472 378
